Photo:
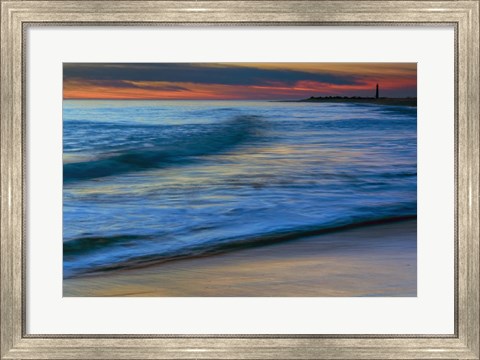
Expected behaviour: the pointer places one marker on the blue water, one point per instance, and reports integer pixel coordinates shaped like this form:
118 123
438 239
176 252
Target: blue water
150 181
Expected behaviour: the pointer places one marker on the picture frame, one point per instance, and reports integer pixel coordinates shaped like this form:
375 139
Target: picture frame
16 16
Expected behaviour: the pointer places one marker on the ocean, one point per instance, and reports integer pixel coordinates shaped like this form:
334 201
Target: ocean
151 181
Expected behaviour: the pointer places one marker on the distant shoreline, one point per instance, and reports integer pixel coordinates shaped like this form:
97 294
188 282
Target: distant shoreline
359 100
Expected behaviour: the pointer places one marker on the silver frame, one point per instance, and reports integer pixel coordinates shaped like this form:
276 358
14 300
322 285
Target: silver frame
17 15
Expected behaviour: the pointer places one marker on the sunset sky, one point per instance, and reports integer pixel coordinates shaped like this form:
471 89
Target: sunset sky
231 81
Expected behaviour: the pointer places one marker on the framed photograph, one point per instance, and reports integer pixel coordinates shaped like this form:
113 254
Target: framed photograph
237 184
226 179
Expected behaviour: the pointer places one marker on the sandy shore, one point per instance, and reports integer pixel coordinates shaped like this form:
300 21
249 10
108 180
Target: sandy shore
376 260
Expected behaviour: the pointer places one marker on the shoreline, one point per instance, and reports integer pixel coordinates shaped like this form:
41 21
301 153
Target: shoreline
380 101
374 260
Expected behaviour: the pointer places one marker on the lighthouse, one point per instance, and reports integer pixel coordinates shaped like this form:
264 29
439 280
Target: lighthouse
376 93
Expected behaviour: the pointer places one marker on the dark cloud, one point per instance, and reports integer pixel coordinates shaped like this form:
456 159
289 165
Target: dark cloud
123 84
196 73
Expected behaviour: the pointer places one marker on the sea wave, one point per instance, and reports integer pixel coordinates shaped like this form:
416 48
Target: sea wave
80 254
195 179
162 152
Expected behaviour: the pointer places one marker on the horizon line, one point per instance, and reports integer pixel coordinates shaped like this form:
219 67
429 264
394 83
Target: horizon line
289 99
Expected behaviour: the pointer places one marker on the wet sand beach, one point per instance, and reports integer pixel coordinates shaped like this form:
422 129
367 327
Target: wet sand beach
378 260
